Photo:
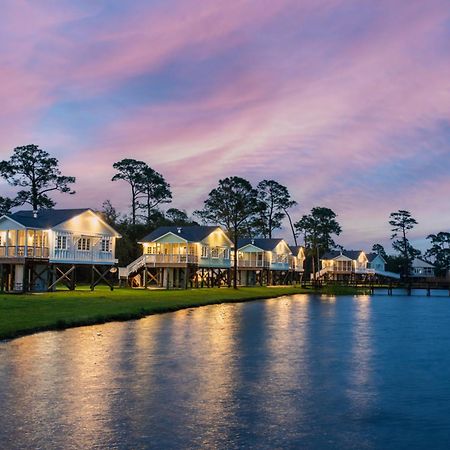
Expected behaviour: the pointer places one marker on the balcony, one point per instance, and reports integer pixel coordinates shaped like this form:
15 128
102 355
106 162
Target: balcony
22 251
82 256
161 259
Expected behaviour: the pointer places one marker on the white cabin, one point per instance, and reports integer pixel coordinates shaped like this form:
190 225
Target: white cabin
53 237
182 256
421 269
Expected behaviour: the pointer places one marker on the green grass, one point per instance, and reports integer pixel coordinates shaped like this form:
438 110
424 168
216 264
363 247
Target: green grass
26 314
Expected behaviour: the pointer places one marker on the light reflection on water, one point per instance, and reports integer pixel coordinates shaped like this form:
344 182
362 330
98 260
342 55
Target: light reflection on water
300 371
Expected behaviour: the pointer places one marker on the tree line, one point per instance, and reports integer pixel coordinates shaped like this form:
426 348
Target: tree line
242 209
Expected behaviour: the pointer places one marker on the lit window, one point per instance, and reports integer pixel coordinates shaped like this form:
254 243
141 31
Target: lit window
106 245
84 244
61 243
204 251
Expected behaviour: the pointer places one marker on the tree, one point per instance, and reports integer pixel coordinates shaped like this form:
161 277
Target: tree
178 217
274 200
379 249
318 228
440 251
6 204
35 170
232 204
154 190
109 213
131 171
402 222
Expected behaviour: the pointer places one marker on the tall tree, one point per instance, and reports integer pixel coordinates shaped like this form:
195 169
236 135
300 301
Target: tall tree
131 171
318 227
275 201
379 249
6 204
38 173
402 222
154 191
440 251
232 204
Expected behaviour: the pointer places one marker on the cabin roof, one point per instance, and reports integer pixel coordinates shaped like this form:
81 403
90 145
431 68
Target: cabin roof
351 254
264 244
418 262
191 233
46 218
295 249
372 256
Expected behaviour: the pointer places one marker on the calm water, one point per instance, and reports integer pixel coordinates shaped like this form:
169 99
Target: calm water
297 372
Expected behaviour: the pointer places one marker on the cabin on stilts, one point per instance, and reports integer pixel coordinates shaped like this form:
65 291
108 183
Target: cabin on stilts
41 250
296 263
181 257
264 262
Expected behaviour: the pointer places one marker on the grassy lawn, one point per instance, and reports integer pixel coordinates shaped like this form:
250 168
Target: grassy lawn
25 314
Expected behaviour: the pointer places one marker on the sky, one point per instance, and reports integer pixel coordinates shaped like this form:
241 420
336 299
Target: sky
346 102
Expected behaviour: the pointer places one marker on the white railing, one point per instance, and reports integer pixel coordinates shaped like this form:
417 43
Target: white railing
333 269
253 263
170 259
82 256
22 251
152 259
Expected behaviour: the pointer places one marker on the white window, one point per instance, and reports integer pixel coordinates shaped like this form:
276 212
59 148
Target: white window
61 243
226 253
204 251
105 245
1 242
215 252
84 244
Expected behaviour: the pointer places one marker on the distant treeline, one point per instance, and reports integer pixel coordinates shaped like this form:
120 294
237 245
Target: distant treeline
241 209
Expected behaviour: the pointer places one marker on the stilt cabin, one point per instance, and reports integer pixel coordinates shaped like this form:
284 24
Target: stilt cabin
264 262
297 260
40 250
346 265
181 257
421 269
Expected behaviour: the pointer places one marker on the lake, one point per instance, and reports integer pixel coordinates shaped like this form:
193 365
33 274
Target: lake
294 372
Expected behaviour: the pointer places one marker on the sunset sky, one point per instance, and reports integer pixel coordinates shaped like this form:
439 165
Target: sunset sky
346 102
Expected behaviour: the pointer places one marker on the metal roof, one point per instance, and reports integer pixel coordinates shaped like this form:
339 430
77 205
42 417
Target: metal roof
191 233
264 244
46 218
351 254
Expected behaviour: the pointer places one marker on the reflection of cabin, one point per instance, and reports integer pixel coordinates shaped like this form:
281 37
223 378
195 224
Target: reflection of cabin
344 265
421 269
39 250
181 257
264 262
297 260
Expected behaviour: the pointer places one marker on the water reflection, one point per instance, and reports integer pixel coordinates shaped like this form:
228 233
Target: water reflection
294 372
362 353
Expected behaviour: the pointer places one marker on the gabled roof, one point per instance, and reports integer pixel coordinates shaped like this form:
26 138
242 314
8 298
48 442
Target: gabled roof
372 256
417 262
351 254
46 218
191 233
267 245
295 249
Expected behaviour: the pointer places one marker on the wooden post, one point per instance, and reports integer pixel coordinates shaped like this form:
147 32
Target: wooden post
2 278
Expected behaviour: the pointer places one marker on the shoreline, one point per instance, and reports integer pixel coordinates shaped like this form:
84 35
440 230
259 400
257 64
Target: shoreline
22 315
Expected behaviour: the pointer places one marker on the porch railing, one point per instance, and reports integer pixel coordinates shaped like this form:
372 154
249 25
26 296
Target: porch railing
22 251
170 259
